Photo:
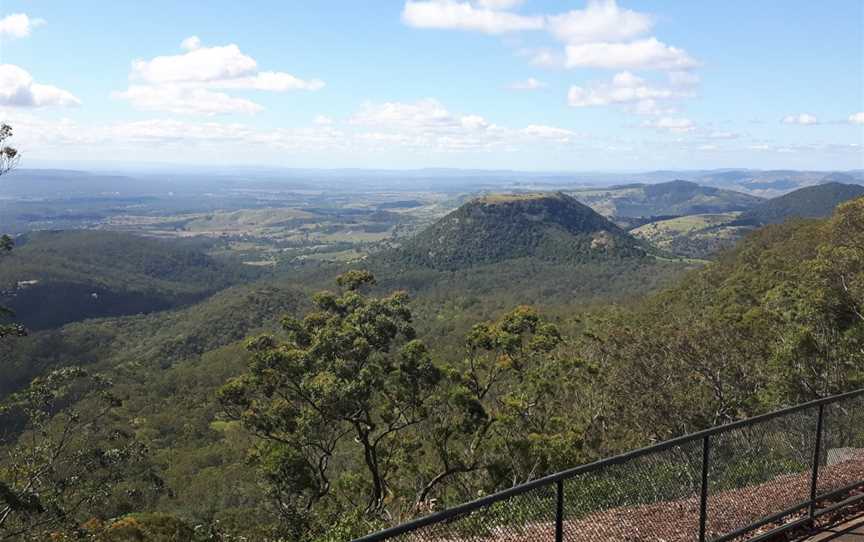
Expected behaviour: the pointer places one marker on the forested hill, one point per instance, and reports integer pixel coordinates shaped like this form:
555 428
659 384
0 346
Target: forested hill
496 228
52 278
816 201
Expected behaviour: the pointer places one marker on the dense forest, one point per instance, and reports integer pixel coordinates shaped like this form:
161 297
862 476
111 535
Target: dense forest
400 388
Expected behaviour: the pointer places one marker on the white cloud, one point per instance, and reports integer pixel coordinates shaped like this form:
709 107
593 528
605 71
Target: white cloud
185 83
185 100
269 81
191 43
18 89
804 119
427 124
629 90
198 65
499 4
646 54
454 15
18 25
528 84
677 125
34 134
856 118
707 147
600 21
602 35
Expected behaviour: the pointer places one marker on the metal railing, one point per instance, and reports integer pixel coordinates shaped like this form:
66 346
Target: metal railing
751 479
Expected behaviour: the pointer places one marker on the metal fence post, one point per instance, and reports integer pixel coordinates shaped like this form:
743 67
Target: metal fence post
817 455
703 503
559 512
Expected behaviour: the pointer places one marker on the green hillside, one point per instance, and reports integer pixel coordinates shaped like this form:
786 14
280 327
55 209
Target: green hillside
693 236
817 201
52 278
663 199
496 228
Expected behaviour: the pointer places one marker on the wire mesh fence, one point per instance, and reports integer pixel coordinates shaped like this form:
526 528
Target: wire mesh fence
762 475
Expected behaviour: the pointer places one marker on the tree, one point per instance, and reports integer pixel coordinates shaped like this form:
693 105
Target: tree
61 462
332 400
501 419
8 161
8 155
821 339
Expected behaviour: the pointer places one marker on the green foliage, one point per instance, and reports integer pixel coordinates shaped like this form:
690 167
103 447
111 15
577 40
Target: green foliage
67 464
775 322
337 384
60 277
810 202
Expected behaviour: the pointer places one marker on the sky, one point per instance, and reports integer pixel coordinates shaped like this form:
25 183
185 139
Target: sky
541 85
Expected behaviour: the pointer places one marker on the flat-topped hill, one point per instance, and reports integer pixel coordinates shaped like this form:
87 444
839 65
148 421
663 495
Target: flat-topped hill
499 227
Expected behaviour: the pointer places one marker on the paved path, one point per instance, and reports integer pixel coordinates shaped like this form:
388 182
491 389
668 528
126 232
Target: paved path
851 531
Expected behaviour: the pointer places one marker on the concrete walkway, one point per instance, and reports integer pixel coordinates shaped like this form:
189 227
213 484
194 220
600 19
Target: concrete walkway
851 531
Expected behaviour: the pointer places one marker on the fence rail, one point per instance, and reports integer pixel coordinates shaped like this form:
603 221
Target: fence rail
765 475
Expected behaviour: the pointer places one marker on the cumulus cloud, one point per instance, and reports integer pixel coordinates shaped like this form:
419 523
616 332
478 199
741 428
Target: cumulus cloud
186 83
803 119
528 84
185 100
626 89
18 25
17 89
600 21
602 35
856 118
646 54
454 15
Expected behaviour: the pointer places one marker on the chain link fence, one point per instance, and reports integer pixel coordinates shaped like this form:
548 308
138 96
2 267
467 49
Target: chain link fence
744 481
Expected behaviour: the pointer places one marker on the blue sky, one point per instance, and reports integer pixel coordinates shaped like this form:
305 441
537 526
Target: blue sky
531 84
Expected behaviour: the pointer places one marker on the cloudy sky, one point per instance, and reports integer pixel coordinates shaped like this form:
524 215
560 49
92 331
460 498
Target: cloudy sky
522 84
